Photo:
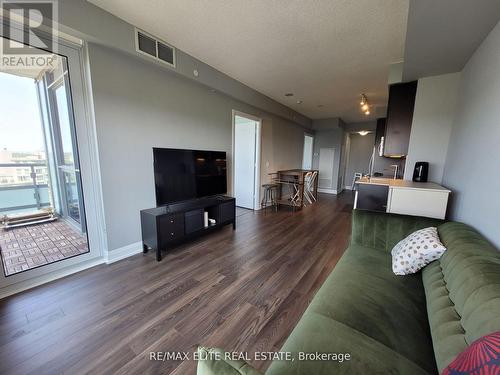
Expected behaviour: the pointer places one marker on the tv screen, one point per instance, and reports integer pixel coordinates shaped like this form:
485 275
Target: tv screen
188 174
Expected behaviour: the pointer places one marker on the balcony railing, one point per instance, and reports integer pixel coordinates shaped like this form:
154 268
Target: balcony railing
23 196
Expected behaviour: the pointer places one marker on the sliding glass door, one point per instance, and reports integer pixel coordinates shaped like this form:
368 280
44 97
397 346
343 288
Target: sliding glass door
61 130
51 229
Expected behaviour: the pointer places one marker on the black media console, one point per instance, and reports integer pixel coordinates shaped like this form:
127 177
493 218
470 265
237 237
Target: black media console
174 223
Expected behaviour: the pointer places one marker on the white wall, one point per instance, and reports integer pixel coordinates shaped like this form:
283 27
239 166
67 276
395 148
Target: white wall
435 109
139 106
472 163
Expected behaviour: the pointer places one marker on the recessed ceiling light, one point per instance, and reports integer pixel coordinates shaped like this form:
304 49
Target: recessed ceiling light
289 94
299 101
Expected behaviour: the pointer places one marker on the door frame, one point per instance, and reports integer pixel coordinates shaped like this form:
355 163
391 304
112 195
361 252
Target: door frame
258 154
347 161
81 93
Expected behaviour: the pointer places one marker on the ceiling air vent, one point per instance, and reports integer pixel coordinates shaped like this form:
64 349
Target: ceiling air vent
151 46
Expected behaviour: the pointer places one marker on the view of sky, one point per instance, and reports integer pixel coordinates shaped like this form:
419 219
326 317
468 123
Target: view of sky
20 126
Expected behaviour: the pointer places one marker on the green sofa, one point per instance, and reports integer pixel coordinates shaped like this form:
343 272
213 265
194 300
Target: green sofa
388 324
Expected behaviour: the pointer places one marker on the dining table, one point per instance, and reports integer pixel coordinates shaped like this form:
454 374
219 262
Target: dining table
292 185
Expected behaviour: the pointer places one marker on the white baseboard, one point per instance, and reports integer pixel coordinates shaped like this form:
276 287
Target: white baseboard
124 252
327 191
31 283
348 187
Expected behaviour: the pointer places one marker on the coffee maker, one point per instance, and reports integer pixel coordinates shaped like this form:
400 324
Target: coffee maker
421 171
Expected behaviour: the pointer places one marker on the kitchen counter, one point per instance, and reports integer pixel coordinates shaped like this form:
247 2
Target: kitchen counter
403 184
401 197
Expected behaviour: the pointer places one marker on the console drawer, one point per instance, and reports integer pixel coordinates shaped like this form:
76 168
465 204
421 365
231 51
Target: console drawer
171 227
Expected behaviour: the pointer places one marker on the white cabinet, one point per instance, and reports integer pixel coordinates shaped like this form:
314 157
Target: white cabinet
418 202
403 197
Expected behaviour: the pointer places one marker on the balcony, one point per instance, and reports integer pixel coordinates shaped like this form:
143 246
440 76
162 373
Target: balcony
22 189
25 189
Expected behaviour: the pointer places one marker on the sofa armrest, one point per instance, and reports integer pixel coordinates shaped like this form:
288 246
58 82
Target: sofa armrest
212 361
383 231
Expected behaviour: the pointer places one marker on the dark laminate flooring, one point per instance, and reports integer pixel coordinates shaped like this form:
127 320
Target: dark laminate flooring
243 290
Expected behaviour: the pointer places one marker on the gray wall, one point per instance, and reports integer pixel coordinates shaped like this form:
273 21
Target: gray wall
357 126
472 163
91 23
435 109
139 106
328 133
359 155
382 164
140 103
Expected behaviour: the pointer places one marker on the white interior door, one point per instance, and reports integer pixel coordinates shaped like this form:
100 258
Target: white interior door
326 160
245 160
308 152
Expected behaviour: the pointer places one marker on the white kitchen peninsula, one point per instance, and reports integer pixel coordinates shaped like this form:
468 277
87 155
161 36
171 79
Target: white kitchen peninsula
404 197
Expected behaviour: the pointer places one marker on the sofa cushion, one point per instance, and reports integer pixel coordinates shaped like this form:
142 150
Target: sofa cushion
318 333
364 294
383 231
462 291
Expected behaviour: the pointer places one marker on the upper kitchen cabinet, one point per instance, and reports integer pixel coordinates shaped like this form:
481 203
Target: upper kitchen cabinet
399 118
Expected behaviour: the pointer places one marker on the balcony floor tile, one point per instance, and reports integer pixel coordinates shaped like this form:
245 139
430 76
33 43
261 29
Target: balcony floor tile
33 246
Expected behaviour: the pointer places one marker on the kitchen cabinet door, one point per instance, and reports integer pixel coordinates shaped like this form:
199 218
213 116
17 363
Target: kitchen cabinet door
399 118
372 197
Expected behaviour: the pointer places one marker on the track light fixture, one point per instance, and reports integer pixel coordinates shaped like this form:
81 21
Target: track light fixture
365 107
363 100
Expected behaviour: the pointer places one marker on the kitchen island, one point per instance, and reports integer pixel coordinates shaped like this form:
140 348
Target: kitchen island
402 197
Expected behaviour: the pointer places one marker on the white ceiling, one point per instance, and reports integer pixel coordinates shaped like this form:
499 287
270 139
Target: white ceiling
326 52
442 35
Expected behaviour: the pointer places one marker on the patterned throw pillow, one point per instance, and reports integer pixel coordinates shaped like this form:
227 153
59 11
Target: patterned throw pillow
416 251
482 357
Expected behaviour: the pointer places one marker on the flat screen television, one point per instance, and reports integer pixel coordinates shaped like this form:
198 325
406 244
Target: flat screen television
187 174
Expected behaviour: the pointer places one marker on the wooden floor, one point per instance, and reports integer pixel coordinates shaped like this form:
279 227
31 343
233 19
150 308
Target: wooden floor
243 290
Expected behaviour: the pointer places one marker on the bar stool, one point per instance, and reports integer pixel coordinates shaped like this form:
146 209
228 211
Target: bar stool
356 177
310 179
270 191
